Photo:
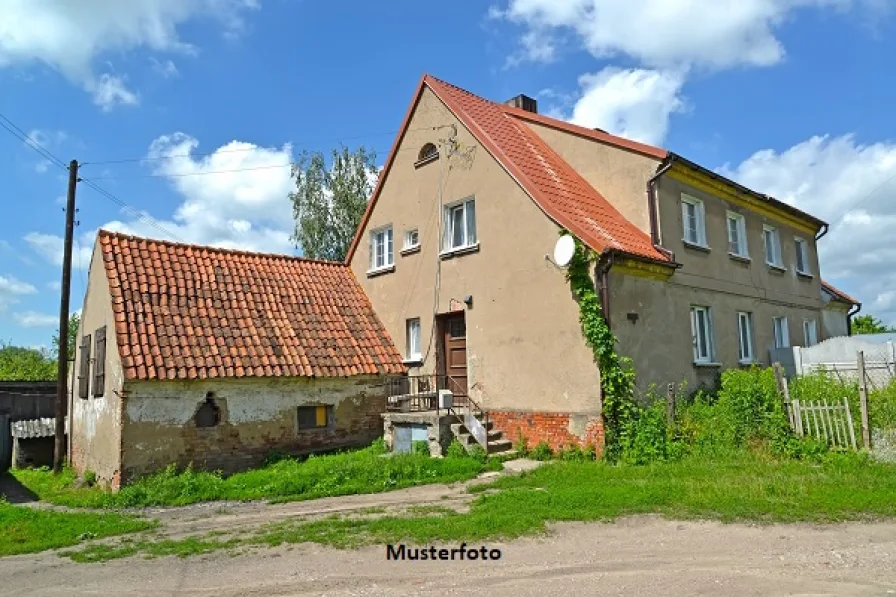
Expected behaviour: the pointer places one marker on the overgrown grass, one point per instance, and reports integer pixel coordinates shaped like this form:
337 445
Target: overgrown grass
739 487
28 530
346 473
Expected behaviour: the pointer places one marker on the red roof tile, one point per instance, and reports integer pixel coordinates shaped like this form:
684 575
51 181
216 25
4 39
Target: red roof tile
553 184
193 312
839 294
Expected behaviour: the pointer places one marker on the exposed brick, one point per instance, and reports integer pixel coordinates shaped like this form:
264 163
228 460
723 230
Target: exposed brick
551 427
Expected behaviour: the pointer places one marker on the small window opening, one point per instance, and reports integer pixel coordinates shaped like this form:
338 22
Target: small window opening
428 152
209 414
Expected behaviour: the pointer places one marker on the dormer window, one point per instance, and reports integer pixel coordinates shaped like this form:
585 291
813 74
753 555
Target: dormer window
428 153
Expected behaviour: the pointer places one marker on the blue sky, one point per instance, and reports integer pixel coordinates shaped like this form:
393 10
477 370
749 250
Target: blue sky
791 97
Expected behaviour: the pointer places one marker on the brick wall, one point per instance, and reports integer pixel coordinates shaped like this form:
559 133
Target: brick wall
255 419
559 430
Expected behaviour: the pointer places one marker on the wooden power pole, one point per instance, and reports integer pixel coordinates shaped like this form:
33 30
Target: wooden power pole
62 376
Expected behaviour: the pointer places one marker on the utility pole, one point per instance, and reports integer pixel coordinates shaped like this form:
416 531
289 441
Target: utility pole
62 376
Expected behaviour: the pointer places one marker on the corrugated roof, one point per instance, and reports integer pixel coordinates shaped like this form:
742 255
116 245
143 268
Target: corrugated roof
35 428
193 312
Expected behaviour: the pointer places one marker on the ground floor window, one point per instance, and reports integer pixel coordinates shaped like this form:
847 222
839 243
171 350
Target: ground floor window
782 333
314 417
810 332
701 331
745 336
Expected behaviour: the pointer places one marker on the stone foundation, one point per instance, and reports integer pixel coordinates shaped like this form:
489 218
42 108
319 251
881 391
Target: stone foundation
559 430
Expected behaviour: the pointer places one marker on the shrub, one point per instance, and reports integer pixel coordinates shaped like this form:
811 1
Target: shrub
379 446
421 448
542 451
477 452
456 450
572 453
643 438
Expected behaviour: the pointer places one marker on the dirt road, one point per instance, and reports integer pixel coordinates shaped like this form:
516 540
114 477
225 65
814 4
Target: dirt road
637 556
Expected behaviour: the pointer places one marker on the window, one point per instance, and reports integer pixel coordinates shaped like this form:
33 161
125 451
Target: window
381 248
737 235
84 368
99 364
693 220
772 247
209 414
701 330
810 332
460 225
413 340
428 152
782 333
411 239
802 256
314 417
745 336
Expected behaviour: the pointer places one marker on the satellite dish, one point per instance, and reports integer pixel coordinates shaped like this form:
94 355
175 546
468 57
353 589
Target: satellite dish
564 250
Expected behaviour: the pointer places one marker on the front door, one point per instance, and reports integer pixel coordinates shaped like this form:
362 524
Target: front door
455 351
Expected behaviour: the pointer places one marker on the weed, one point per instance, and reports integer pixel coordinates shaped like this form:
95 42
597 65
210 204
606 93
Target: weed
421 448
456 450
542 451
521 445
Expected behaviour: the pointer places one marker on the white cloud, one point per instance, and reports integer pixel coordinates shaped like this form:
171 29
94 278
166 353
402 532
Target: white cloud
71 36
54 286
632 103
110 91
663 33
851 186
33 319
50 247
166 69
11 290
246 207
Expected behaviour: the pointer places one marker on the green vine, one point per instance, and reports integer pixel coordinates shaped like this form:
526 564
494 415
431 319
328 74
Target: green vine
617 377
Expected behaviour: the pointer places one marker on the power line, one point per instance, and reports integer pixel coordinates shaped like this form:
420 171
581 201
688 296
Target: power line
133 211
864 199
22 136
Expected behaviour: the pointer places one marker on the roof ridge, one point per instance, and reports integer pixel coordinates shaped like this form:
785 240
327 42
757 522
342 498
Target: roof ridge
111 233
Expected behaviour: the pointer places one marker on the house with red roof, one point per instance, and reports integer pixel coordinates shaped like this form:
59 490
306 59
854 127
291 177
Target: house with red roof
696 273
215 358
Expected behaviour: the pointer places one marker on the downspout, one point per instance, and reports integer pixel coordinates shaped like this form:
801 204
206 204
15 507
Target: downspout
652 207
822 232
849 315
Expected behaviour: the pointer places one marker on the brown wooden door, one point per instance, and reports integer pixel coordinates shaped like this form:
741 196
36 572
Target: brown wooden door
455 345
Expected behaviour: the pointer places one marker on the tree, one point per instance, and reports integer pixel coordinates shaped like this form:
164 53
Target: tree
868 324
328 203
74 321
26 364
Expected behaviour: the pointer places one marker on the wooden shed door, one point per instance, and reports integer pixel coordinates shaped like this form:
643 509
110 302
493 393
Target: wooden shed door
455 342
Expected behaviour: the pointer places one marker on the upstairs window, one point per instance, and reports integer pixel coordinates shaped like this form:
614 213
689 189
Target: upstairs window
460 225
381 248
802 256
427 153
772 247
737 235
411 239
693 218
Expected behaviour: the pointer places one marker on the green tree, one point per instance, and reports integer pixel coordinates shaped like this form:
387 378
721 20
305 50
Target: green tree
868 324
26 364
328 203
74 322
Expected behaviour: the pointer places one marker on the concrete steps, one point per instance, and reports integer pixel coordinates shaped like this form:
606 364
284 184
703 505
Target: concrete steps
498 445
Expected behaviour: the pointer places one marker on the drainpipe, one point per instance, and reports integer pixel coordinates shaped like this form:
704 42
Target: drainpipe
602 280
652 208
850 315
822 232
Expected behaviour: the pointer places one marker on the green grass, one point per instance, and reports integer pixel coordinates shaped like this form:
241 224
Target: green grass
742 487
28 530
346 473
190 546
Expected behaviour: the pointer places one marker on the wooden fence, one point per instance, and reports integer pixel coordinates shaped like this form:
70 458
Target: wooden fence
829 423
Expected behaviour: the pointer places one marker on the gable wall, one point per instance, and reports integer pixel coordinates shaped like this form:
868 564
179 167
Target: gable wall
525 351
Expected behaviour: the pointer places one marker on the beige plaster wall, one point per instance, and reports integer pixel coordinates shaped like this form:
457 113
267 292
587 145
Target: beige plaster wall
620 175
525 350
96 421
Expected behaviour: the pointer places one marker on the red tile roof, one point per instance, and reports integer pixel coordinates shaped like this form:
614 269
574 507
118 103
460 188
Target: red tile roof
839 294
553 184
192 312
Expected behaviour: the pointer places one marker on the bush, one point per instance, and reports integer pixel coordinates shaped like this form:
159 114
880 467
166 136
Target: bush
421 448
643 437
379 446
542 451
456 450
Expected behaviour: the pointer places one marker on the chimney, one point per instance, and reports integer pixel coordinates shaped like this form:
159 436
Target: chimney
523 102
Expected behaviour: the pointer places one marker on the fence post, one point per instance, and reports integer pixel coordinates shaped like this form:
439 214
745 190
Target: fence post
670 405
863 400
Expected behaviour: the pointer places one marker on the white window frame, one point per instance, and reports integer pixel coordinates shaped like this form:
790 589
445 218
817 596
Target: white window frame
740 228
774 260
704 348
470 238
802 254
388 248
414 350
781 332
408 234
810 332
700 221
745 332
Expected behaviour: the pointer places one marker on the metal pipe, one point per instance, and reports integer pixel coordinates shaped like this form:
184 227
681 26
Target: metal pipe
652 207
822 232
849 315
